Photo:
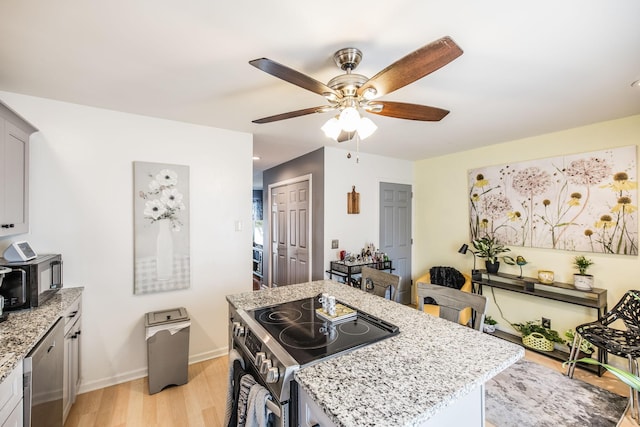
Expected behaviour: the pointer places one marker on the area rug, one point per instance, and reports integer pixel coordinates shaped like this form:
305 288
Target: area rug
527 395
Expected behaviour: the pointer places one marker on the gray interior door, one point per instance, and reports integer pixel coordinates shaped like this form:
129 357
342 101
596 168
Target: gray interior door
395 233
290 234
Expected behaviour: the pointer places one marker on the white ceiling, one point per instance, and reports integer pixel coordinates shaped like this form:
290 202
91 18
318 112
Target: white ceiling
527 68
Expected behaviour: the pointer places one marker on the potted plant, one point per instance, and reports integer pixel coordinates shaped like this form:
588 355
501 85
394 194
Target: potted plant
582 280
489 324
586 348
489 248
536 336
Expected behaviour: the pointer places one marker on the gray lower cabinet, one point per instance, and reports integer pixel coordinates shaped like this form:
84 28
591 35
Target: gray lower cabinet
11 409
310 413
14 173
71 372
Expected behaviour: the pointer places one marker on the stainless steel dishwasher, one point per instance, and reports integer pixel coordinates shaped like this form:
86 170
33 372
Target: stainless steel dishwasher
43 370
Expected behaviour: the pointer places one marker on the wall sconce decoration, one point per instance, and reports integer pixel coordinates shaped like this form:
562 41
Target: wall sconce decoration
353 201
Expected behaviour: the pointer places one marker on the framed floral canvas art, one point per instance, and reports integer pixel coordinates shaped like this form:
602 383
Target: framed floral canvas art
583 202
161 227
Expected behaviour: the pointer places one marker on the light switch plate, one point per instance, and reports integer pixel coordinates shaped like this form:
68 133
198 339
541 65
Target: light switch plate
334 244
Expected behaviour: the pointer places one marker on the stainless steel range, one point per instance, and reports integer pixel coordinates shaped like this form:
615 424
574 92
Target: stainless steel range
276 341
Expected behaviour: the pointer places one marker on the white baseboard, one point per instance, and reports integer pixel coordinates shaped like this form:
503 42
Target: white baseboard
143 372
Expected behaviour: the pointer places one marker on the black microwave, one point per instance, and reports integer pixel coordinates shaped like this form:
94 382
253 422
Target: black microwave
31 283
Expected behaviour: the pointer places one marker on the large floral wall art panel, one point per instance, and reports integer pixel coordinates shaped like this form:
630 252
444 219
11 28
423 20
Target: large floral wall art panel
583 202
161 227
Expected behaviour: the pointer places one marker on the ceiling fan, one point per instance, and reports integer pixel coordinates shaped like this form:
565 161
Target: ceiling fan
350 92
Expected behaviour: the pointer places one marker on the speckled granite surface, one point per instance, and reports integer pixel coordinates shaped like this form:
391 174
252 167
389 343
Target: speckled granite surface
400 381
24 328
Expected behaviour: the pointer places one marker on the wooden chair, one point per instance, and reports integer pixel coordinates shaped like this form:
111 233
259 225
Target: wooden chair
380 283
452 302
434 310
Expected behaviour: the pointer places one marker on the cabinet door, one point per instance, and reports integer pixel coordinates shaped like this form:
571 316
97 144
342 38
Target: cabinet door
66 388
71 376
75 367
14 188
15 419
11 394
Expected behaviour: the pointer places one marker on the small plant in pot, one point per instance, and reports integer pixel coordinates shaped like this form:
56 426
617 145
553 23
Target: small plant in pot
489 324
582 280
536 336
489 248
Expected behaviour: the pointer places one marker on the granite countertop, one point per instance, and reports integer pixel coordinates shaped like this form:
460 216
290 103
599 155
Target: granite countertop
400 381
24 328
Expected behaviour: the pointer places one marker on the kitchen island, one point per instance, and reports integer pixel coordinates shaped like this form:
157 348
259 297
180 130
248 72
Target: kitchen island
432 370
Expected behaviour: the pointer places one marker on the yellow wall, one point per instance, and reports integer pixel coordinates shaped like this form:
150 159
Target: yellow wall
441 218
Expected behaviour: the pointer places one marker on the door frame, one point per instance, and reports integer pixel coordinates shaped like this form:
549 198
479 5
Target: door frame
302 178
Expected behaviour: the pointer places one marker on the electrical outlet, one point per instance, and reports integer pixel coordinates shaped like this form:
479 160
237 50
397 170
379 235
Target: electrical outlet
334 244
546 323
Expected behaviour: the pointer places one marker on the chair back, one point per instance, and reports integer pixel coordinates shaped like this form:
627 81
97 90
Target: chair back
380 283
452 302
627 310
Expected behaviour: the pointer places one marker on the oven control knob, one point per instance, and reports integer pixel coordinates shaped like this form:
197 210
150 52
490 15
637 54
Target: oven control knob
273 375
238 330
260 357
265 366
235 326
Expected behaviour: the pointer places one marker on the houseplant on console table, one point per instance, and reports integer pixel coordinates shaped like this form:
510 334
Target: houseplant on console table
536 336
582 281
489 248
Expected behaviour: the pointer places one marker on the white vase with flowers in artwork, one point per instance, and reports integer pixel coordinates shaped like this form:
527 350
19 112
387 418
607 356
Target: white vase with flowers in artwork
164 250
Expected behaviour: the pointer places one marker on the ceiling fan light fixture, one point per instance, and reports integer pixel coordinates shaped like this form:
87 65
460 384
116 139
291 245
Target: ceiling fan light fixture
349 119
366 127
332 128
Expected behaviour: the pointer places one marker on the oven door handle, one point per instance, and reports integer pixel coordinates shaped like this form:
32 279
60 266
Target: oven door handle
274 408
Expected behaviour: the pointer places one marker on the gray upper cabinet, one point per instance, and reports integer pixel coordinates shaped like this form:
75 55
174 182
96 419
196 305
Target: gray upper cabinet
14 172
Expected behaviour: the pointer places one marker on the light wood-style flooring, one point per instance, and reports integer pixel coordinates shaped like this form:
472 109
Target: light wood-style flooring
201 402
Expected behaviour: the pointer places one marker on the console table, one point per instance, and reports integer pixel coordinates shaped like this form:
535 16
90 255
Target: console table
595 298
346 269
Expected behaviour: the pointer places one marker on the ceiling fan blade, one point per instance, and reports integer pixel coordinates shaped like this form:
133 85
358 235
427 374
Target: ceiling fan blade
292 76
413 67
289 115
402 110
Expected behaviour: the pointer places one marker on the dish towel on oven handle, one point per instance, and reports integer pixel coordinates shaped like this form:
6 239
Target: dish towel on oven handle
236 372
246 383
257 412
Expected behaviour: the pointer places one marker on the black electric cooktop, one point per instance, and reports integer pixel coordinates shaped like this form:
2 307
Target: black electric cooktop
308 337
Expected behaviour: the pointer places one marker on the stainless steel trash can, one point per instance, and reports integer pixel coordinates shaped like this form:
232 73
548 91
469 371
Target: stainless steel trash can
167 335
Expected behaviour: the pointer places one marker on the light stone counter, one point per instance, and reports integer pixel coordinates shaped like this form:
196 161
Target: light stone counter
401 381
24 328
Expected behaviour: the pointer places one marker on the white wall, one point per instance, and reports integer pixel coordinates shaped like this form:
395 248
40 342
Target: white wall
81 205
354 231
